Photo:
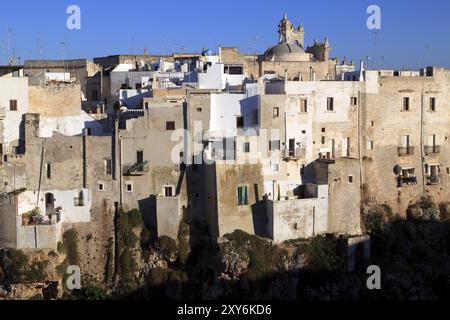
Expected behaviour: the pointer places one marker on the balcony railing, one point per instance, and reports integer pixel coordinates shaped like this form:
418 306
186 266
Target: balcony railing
432 150
294 155
434 180
407 181
405 151
136 169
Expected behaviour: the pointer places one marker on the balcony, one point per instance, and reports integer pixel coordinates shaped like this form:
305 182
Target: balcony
137 169
407 181
434 180
294 155
405 151
430 150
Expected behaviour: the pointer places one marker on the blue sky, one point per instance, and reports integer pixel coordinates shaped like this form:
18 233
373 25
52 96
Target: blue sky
414 33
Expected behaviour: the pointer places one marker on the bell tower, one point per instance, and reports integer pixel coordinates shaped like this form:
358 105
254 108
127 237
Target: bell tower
288 33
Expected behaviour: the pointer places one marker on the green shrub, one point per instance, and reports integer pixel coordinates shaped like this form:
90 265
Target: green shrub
36 271
184 248
168 247
126 240
135 219
60 247
37 296
323 255
109 272
70 239
261 254
18 261
92 292
373 220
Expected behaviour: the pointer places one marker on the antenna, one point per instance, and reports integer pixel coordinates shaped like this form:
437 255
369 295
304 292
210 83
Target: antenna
253 40
428 59
11 58
64 52
4 54
375 46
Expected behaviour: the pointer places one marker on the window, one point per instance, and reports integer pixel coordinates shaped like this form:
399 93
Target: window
168 191
303 106
240 122
274 145
346 147
370 145
124 86
406 104
243 196
139 157
247 147
199 109
372 123
323 140
101 186
353 101
432 104
295 226
49 170
79 200
276 112
324 130
330 104
350 179
170 125
108 166
303 131
276 167
129 187
255 117
406 143
146 104
12 105
431 140
138 86
236 70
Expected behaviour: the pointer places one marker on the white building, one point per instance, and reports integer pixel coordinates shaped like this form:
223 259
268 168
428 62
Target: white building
13 105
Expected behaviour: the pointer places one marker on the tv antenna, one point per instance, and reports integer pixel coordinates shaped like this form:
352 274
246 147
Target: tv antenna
375 38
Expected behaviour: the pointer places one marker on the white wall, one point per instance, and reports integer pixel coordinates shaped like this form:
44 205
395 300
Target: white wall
63 199
310 215
212 78
225 108
12 89
69 125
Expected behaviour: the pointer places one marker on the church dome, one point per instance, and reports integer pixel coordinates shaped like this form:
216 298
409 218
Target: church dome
286 51
284 48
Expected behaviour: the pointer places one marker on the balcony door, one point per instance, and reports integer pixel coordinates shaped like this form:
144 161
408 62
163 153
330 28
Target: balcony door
406 142
291 147
432 140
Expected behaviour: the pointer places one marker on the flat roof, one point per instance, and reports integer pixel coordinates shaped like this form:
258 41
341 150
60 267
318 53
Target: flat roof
17 67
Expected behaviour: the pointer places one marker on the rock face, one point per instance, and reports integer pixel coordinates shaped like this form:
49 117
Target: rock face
413 255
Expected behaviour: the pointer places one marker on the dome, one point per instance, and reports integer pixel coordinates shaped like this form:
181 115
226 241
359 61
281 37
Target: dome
286 51
284 48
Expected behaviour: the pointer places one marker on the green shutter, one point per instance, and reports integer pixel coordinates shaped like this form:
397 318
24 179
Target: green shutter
239 196
242 196
245 196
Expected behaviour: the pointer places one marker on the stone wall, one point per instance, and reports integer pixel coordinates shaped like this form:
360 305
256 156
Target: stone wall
55 100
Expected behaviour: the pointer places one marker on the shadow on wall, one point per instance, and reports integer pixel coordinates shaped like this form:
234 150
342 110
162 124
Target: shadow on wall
148 209
260 220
